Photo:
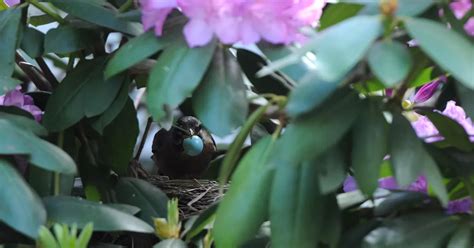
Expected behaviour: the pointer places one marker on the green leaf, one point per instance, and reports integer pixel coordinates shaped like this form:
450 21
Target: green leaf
129 209
3 6
410 159
24 123
119 140
220 100
336 13
390 61
461 238
308 94
453 133
135 51
111 113
71 210
369 146
336 56
150 199
21 208
397 201
405 7
68 39
46 238
296 208
171 243
205 218
83 93
176 74
8 83
332 222
312 134
456 58
331 169
248 196
92 12
467 101
32 42
408 230
423 78
9 28
85 236
41 153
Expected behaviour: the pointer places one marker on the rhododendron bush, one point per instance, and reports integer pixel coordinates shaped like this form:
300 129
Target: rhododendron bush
318 123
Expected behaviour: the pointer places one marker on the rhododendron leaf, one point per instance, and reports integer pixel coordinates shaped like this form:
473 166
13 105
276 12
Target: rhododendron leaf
390 61
297 220
176 74
93 12
7 84
456 58
22 209
369 146
249 195
100 122
467 101
335 13
454 134
9 30
78 211
135 51
220 101
83 93
32 42
66 39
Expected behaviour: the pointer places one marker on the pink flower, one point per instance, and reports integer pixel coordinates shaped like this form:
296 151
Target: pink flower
460 7
246 21
18 99
11 2
154 13
469 26
463 205
425 128
428 90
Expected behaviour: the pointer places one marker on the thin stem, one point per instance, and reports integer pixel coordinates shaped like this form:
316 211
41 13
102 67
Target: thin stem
145 135
47 72
47 11
125 6
35 75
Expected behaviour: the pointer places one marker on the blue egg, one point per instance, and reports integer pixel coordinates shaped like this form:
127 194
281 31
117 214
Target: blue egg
193 145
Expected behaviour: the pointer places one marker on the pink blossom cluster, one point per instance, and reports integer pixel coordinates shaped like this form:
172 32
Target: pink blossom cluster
232 21
17 99
460 8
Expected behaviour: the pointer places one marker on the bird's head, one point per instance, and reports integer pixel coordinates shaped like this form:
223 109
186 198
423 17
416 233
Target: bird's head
186 133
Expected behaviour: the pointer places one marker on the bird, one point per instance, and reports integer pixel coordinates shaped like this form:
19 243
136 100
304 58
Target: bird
185 151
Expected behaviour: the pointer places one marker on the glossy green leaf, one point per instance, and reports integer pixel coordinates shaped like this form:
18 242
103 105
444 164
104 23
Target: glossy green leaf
118 142
95 13
296 208
312 134
410 159
248 196
201 223
171 243
83 93
332 223
390 61
135 51
68 39
72 210
129 209
369 146
41 153
331 169
114 109
151 200
423 78
21 208
46 238
220 100
407 231
461 238
336 13
308 94
176 74
453 133
32 42
7 84
336 56
24 123
85 236
456 58
9 28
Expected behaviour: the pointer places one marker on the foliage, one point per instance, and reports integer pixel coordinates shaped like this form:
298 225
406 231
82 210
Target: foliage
360 132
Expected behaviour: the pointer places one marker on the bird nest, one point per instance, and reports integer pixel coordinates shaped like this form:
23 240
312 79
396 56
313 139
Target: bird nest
194 195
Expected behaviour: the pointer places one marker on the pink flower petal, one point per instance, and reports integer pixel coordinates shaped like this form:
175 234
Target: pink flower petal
469 26
460 7
197 33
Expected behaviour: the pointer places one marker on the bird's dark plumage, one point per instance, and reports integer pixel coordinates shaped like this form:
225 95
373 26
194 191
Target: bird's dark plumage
169 154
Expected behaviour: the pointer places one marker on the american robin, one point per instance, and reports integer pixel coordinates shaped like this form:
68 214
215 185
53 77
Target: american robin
184 151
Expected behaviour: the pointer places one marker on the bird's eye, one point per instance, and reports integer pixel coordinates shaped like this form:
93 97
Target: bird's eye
193 145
